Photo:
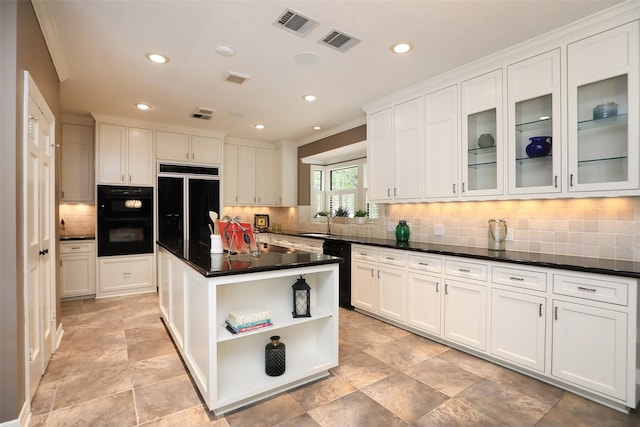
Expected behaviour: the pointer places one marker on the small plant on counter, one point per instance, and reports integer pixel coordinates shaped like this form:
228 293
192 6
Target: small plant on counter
361 216
341 212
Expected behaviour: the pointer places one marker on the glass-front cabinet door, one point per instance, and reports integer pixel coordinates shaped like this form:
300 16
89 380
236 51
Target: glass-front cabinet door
603 111
482 135
534 135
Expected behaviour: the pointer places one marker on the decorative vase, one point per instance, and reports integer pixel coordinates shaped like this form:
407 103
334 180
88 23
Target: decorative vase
361 220
402 231
486 140
274 357
539 146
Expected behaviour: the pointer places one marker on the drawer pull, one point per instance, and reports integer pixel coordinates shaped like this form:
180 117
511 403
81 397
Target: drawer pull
517 279
426 264
390 258
75 248
582 288
126 275
464 270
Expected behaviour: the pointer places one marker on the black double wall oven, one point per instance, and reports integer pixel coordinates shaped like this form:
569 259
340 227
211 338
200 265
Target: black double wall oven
125 220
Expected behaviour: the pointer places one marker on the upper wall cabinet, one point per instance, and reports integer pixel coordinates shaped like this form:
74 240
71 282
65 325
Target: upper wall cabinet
182 147
77 163
534 136
603 111
286 175
249 176
124 155
441 159
394 152
482 140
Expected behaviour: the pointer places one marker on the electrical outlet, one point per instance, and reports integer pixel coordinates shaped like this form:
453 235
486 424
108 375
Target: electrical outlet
509 235
438 230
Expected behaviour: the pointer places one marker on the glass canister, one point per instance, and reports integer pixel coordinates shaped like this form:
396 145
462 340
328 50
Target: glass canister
402 231
274 357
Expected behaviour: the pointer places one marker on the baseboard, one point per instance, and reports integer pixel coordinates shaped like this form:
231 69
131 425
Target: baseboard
23 420
59 334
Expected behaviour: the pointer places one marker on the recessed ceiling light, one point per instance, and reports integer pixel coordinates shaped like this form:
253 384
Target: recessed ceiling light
157 58
258 126
143 106
402 47
309 98
317 128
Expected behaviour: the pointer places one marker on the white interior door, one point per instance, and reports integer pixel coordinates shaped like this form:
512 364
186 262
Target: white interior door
39 216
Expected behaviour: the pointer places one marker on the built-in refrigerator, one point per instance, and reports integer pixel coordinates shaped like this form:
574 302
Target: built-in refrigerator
186 194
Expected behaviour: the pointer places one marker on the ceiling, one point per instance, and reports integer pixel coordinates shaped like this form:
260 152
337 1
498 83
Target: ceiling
99 47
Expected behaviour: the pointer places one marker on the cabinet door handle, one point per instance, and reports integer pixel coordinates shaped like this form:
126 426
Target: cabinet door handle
63 194
121 178
193 156
446 289
378 274
186 156
372 272
556 313
388 192
437 287
395 191
463 187
130 178
582 288
555 181
540 310
571 180
454 188
516 279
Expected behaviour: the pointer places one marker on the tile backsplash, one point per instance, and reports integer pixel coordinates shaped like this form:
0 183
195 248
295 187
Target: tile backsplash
593 227
79 220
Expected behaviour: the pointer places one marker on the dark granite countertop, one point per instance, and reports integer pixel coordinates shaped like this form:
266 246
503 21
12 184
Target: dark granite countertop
66 239
271 258
563 262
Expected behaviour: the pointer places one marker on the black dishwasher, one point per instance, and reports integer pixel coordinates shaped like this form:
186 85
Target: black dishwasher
341 249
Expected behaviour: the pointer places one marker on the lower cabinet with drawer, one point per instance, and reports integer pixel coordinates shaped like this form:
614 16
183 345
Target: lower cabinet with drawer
124 275
572 329
77 269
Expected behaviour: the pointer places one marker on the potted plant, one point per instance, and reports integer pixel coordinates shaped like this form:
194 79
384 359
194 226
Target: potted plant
341 214
361 216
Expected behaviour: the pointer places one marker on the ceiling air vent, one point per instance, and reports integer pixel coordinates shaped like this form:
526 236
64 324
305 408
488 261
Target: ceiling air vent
238 78
339 40
295 22
203 113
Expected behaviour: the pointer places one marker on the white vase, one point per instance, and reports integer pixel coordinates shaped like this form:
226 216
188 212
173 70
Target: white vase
360 220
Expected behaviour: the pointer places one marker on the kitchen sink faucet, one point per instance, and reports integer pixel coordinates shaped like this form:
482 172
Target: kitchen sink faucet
326 214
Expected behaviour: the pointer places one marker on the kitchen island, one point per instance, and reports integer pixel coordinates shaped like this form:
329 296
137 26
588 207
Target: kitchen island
197 290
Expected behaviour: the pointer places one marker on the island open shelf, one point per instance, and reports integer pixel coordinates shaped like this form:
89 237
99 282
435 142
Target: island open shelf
229 369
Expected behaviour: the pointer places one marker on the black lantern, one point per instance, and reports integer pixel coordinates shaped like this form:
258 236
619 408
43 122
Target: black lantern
301 298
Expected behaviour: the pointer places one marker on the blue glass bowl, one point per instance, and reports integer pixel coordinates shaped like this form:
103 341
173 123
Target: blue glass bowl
539 146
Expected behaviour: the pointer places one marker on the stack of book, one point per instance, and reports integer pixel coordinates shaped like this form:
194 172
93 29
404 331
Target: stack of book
248 320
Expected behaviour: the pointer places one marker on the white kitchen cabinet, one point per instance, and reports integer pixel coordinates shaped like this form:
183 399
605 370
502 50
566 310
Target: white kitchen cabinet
392 286
230 175
380 155
124 155
518 332
465 313
534 109
182 147
424 302
590 348
482 139
286 175
128 274
604 149
253 174
77 159
395 152
77 268
364 279
441 159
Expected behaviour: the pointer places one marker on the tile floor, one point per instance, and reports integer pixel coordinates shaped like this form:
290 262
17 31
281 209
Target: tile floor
116 366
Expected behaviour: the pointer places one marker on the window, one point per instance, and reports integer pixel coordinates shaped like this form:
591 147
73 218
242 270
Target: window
343 186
